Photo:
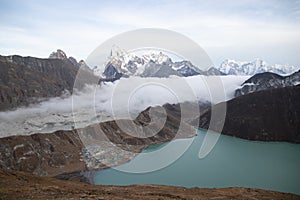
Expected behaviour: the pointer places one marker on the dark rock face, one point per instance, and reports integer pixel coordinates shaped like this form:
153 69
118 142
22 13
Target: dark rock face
266 81
111 72
186 71
270 115
159 70
213 72
25 80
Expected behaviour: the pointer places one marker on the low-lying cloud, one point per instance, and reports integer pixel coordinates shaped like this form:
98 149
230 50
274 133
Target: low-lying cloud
122 99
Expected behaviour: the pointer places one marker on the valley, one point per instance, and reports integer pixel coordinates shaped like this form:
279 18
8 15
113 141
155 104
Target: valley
76 142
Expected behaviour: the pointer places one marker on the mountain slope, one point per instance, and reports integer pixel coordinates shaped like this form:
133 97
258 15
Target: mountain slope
269 115
266 81
51 154
25 80
19 185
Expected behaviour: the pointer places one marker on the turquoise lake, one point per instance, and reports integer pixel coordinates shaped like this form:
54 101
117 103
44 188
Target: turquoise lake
233 162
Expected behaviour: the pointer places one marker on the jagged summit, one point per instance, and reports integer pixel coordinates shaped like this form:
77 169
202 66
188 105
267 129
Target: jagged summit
59 54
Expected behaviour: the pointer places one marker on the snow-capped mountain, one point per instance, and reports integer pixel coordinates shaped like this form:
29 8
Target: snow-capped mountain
154 64
232 67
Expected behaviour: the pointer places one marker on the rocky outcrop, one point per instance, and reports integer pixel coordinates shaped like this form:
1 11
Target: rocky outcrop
61 55
25 80
42 154
269 115
268 80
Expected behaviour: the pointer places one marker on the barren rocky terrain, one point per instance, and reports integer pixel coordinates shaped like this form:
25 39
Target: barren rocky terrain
20 185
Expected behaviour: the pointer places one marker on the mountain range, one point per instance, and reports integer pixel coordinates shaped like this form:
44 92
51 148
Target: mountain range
154 64
121 63
232 67
26 80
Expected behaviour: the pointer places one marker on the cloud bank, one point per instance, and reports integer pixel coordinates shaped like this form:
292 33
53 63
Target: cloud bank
122 99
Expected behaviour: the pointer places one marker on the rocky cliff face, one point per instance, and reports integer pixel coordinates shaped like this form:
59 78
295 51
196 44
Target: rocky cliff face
25 80
266 81
269 115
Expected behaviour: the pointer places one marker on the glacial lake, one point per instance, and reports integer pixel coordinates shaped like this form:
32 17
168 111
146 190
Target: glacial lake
232 162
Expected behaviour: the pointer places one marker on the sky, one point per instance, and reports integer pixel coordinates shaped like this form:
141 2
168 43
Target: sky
241 30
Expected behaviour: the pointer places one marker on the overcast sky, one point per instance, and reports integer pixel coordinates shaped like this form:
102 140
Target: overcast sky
241 30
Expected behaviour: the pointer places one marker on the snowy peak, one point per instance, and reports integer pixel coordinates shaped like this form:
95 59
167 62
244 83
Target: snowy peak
232 67
150 64
158 58
122 61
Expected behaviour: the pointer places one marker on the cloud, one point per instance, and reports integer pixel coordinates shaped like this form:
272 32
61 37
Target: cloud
122 99
224 28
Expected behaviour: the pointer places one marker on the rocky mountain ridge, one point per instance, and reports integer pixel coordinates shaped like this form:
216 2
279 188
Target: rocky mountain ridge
26 80
267 115
267 80
61 55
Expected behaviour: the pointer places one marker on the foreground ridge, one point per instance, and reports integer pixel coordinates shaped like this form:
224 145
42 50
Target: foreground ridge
34 187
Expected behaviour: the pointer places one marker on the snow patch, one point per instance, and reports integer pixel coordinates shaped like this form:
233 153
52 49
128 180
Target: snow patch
18 146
